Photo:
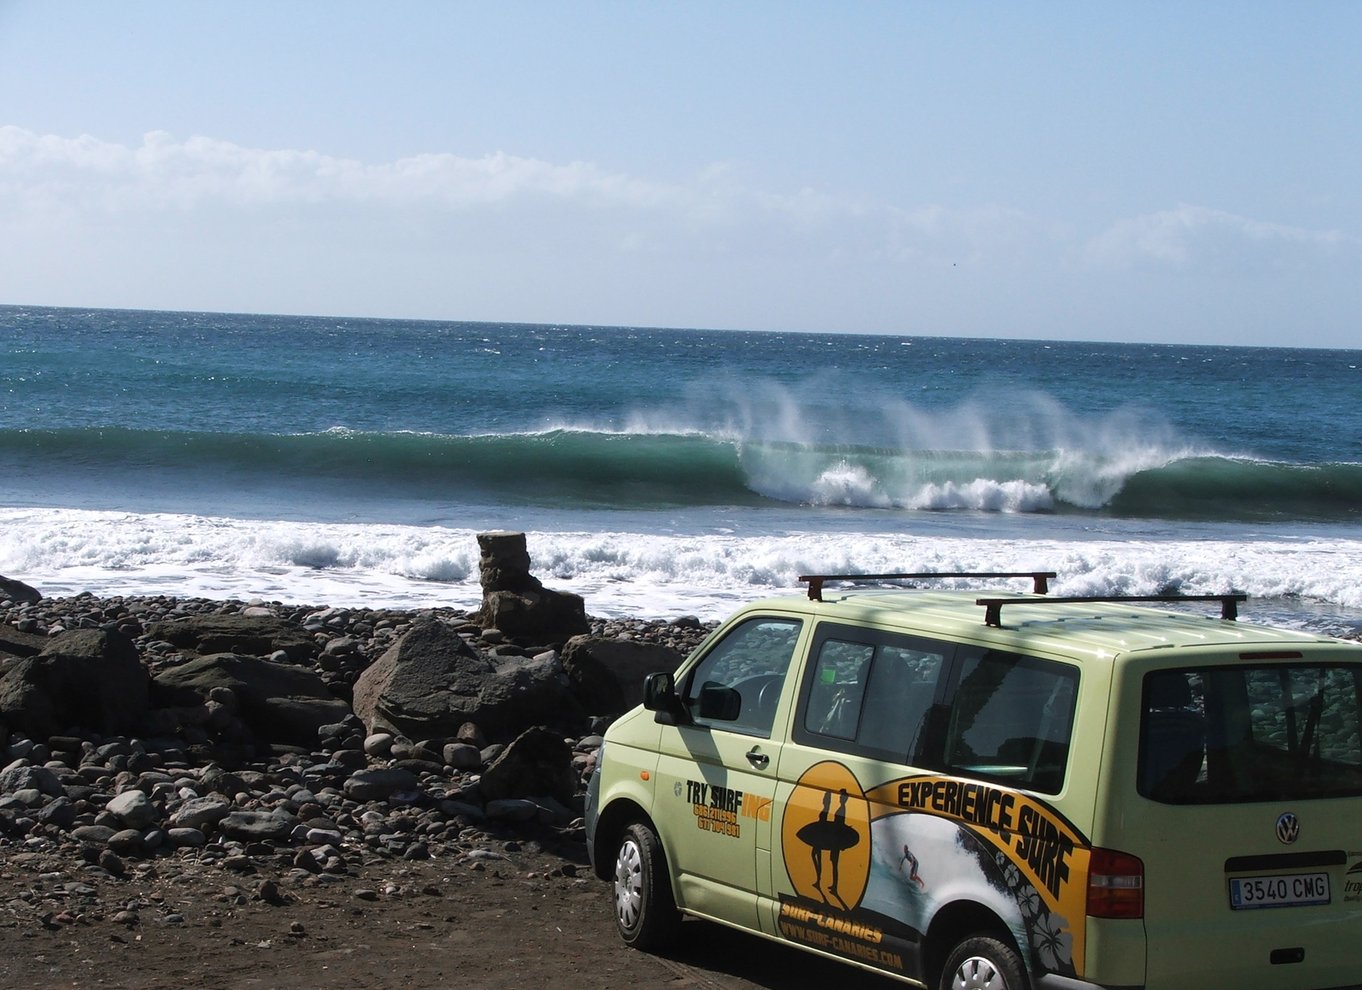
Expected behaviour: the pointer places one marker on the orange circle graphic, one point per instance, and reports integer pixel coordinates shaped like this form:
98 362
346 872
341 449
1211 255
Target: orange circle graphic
825 836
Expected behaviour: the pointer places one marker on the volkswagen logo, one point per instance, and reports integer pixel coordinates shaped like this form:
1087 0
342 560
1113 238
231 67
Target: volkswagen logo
1288 828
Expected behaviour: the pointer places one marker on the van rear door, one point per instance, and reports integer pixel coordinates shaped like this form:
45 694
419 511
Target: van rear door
1243 802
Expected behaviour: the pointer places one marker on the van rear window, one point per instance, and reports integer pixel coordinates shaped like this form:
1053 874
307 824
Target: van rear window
1217 735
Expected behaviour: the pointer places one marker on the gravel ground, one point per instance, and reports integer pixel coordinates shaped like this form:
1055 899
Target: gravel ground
416 892
524 917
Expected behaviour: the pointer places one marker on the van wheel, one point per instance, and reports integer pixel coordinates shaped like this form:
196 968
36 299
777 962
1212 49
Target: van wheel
983 963
645 911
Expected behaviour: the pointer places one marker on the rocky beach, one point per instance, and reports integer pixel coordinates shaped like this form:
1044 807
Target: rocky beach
247 794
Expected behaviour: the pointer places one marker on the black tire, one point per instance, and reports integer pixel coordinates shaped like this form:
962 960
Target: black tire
645 911
981 962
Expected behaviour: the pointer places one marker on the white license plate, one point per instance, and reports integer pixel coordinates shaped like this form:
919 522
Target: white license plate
1291 890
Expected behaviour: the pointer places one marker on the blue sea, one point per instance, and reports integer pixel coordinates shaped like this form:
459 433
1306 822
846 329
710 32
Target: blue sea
662 472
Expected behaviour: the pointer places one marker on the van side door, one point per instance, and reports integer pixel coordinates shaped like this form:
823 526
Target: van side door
848 879
716 769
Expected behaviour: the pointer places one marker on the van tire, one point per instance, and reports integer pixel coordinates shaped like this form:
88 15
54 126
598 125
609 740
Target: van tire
645 911
981 962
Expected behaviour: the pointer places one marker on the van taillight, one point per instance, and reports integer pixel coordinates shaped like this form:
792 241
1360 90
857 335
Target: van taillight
1115 885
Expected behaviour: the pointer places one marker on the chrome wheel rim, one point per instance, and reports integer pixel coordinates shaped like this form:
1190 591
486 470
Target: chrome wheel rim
978 973
628 884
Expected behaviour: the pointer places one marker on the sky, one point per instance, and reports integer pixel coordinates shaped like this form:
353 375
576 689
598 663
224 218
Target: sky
1154 171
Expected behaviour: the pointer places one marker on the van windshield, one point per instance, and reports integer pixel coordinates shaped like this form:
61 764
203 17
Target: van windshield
1278 731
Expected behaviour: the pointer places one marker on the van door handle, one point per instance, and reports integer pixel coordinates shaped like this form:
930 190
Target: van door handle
759 760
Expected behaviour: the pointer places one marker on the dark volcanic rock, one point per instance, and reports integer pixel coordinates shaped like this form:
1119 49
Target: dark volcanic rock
419 684
256 636
258 825
515 602
86 677
218 802
538 763
430 682
21 644
504 563
606 675
279 702
524 691
21 777
543 616
17 591
379 785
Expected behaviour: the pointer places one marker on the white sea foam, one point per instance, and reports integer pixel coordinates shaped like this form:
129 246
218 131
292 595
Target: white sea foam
848 484
986 495
638 573
1021 452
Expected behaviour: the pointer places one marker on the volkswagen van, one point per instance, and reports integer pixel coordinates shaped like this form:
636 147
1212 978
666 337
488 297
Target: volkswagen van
1001 790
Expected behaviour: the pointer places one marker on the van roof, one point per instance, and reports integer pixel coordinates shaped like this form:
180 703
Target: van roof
1056 626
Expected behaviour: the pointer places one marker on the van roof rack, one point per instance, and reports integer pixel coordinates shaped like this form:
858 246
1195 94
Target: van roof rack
1040 579
993 614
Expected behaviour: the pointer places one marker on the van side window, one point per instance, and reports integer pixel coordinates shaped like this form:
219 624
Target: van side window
737 685
1011 719
839 679
902 686
871 692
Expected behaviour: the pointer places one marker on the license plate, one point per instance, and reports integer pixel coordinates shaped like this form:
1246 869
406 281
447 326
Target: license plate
1291 890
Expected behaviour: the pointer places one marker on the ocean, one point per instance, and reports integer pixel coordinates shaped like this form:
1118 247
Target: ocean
664 472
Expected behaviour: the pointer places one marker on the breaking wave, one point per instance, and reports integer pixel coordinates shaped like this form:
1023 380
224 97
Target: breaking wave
628 470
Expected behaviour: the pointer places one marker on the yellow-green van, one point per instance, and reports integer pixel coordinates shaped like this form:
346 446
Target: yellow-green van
1000 791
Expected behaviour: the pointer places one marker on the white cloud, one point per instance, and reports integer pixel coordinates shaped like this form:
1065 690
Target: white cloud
84 180
974 235
166 173
206 223
1195 238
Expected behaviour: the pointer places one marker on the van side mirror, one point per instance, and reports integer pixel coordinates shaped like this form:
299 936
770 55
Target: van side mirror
660 698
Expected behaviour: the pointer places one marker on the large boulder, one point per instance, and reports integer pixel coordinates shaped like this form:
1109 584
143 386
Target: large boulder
88 678
414 687
538 763
504 563
20 776
380 784
258 825
521 692
515 602
18 592
256 636
606 675
15 643
542 616
278 702
430 682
